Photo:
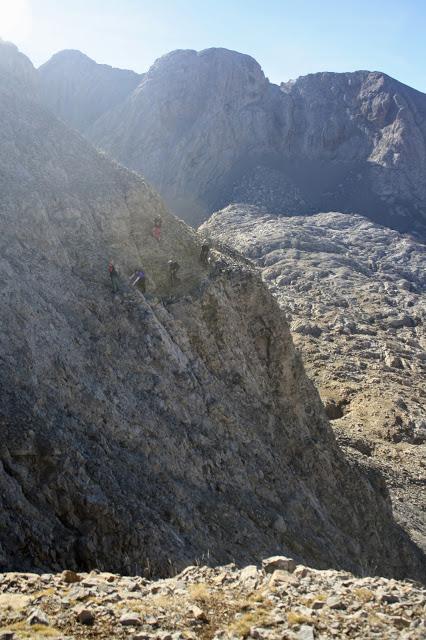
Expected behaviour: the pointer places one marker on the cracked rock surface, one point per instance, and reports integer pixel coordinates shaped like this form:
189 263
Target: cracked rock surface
354 293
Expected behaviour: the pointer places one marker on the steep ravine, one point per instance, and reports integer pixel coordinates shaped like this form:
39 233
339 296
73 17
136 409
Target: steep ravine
144 434
355 296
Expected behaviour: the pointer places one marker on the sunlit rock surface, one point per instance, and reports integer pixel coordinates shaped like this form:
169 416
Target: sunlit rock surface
354 293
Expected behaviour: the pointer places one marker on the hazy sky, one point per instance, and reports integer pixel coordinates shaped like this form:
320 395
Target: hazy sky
288 38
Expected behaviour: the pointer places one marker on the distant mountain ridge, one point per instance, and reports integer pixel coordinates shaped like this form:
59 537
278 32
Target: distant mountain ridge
208 129
79 91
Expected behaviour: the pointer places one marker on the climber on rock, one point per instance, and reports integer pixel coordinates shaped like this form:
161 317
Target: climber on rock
204 253
156 231
114 276
173 269
137 279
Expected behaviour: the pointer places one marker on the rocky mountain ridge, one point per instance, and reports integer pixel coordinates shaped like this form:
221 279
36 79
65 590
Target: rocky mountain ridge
79 91
355 296
208 129
145 432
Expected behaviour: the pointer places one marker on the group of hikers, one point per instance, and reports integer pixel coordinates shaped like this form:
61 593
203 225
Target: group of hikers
138 278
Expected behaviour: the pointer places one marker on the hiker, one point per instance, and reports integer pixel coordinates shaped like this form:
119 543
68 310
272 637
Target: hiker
114 276
138 278
204 254
156 231
173 269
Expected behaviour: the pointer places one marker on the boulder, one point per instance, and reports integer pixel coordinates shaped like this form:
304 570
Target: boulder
279 563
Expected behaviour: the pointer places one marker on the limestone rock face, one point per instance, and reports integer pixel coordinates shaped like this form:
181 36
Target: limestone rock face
355 296
142 433
79 91
192 123
208 129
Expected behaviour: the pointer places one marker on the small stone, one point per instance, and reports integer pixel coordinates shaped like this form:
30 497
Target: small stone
37 616
70 577
85 616
279 562
334 602
280 577
78 594
259 634
301 571
249 573
198 614
317 604
305 633
7 635
388 598
130 620
399 622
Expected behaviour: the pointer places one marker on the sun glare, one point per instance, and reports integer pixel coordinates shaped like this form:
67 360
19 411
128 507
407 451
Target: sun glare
15 19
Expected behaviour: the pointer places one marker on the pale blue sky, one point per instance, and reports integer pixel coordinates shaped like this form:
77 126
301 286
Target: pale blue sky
288 38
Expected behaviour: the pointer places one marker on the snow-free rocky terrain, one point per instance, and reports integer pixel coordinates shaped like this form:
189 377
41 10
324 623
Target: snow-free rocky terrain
144 434
355 295
277 601
208 129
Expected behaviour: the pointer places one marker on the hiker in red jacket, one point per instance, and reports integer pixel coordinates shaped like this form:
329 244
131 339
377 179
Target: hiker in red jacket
156 231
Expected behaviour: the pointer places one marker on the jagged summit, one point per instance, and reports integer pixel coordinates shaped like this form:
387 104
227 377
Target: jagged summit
208 129
360 75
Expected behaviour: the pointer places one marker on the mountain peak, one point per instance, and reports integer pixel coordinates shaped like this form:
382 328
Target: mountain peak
16 70
69 56
213 57
79 90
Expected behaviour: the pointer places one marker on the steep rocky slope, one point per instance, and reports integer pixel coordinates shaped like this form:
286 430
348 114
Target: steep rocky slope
355 295
275 602
79 91
143 433
209 129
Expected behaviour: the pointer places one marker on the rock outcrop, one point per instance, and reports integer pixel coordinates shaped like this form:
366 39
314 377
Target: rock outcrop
208 129
79 91
148 432
223 603
355 296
